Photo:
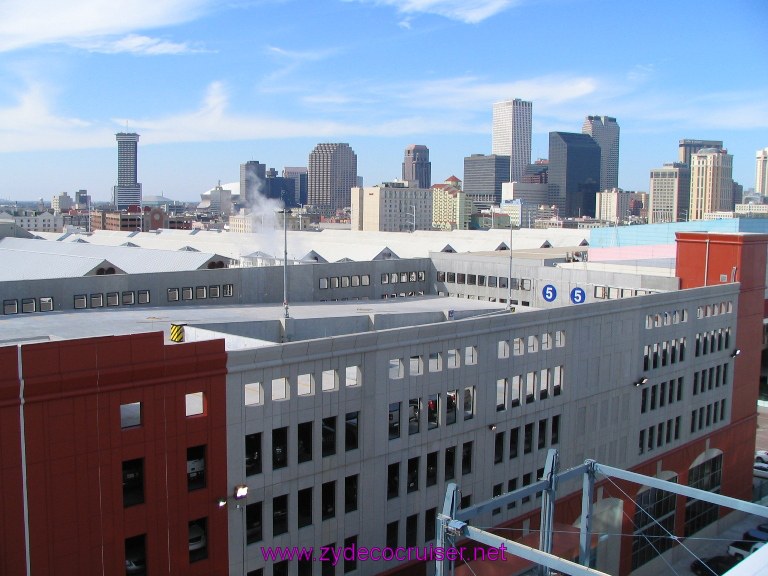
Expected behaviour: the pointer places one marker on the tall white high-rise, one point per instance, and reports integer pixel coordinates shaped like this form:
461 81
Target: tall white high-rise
512 135
670 190
761 173
605 131
711 182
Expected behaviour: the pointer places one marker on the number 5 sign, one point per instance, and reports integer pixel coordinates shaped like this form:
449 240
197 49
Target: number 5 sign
578 296
549 293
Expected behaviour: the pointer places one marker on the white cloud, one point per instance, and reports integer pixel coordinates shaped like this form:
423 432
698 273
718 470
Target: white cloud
25 23
136 44
467 11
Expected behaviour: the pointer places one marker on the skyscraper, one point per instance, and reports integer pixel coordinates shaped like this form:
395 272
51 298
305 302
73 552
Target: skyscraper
711 182
573 178
332 173
128 190
688 147
605 131
416 166
299 176
252 176
670 191
512 135
761 173
483 176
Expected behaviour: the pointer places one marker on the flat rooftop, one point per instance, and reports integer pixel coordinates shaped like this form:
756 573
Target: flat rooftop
68 325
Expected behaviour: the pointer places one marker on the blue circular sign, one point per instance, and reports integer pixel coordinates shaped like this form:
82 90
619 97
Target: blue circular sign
549 293
578 296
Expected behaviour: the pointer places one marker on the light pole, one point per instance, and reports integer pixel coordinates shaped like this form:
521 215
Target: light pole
285 211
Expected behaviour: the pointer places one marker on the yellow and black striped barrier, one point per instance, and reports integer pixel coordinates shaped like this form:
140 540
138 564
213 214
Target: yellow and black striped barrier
177 332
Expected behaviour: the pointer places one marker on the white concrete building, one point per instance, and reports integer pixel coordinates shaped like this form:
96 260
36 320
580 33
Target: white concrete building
511 134
761 172
391 207
711 182
669 192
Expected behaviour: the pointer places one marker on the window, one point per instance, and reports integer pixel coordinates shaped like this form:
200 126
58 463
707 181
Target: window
253 523
466 458
305 385
450 463
28 305
328 569
503 349
365 280
514 442
396 369
497 491
330 380
432 469
201 292
416 366
130 415
136 554
186 293
414 415
329 436
194 404
353 376
392 535
501 394
517 347
304 442
280 389
113 299
528 439
214 291
530 387
411 530
253 396
470 355
173 294
80 303
515 390
412 479
328 500
279 448
435 362
350 562
129 298
350 493
454 360
253 454
450 407
555 430
498 451
133 482
704 476
433 411
393 480
430 517
654 520
195 468
228 290
198 541
511 487
533 344
279 515
541 436
351 431
394 420
469 402
97 301
334 281
143 296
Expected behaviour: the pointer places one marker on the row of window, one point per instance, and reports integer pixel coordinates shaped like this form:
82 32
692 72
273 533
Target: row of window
131 413
392 538
403 277
200 292
709 378
612 292
434 411
542 428
661 394
345 281
99 300
661 354
305 444
306 385
666 318
409 294
136 547
534 343
715 309
707 416
659 435
544 383
414 473
28 305
713 341
482 280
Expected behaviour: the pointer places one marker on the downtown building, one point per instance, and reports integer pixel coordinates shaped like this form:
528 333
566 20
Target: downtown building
126 448
511 135
483 176
711 183
331 175
669 193
416 166
605 131
687 147
128 190
573 178
391 207
761 172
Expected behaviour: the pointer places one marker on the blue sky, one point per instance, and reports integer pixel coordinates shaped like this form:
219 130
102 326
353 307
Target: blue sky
212 83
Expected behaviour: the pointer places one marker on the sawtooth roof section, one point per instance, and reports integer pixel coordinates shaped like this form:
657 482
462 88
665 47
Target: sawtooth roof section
129 260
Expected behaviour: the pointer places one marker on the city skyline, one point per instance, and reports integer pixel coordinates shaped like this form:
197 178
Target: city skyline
205 101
